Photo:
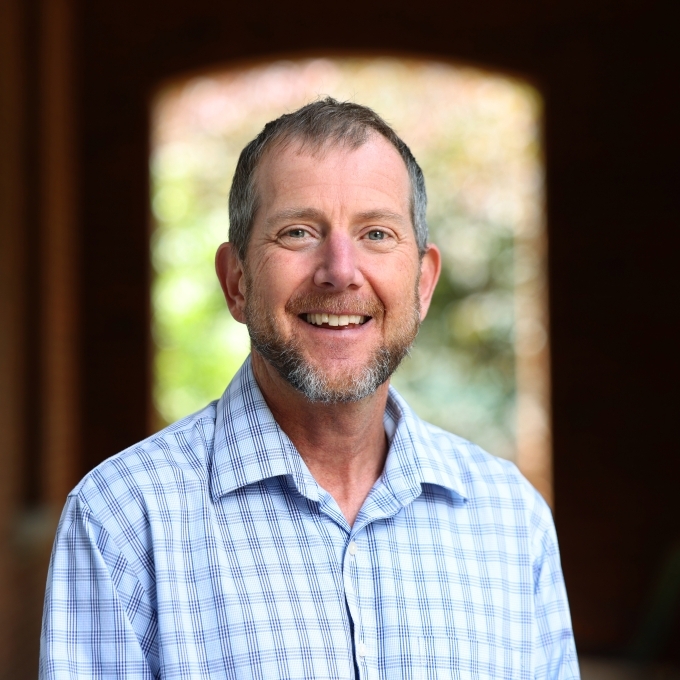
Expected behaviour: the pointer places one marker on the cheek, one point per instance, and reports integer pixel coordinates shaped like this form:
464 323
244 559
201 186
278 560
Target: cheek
396 285
259 265
266 272
277 277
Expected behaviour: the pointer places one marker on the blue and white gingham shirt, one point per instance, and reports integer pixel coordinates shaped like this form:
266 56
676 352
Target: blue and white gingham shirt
208 551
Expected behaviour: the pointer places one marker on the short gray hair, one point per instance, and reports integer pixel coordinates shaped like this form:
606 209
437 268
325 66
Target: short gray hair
323 121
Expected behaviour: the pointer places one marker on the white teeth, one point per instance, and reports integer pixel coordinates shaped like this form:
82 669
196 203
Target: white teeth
335 319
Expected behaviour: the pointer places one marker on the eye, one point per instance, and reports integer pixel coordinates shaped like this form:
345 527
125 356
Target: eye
376 235
296 233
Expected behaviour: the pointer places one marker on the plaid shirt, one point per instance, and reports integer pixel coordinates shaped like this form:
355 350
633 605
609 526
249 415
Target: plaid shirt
209 551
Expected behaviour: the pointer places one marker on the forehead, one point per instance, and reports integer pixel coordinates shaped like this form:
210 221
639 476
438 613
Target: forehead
295 166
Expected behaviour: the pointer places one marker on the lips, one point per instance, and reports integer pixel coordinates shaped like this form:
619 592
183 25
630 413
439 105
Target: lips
338 310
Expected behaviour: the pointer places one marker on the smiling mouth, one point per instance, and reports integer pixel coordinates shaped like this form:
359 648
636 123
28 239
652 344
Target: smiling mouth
335 320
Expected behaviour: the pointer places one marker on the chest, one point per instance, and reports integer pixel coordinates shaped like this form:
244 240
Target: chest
267 586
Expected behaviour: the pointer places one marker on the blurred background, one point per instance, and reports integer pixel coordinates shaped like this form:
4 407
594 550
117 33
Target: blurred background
549 142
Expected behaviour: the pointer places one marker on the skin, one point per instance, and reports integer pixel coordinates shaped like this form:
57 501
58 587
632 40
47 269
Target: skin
334 221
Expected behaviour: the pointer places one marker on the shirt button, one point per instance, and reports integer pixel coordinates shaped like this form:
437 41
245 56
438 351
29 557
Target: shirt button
353 548
361 649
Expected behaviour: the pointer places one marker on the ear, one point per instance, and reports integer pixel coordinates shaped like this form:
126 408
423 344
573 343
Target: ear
231 276
430 268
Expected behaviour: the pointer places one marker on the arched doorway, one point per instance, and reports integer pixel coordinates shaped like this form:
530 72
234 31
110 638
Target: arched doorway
479 367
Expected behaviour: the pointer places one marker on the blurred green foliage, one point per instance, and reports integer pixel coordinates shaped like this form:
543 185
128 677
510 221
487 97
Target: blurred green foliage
476 138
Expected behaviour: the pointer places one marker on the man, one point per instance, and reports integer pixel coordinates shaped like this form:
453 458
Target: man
308 524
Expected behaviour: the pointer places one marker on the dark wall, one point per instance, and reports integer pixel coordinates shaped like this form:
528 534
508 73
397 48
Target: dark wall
607 71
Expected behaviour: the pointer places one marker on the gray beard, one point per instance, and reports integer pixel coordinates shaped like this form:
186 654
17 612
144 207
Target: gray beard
288 361
287 358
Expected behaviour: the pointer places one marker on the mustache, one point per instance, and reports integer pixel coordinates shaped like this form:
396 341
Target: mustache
335 303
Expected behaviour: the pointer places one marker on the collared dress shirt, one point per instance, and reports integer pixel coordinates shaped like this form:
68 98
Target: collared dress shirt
208 551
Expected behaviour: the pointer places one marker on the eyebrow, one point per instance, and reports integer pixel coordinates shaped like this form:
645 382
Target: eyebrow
295 214
382 215
319 216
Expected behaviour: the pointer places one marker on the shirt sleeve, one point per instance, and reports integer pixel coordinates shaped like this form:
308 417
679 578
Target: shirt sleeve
97 622
555 651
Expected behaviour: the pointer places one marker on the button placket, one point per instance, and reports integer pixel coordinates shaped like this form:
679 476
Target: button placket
361 649
351 595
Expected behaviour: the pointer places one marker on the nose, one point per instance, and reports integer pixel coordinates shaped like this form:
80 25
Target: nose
339 267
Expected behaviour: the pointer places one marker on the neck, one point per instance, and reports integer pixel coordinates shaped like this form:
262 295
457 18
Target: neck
344 445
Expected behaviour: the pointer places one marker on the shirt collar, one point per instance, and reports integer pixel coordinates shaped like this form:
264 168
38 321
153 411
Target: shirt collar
250 447
416 455
249 444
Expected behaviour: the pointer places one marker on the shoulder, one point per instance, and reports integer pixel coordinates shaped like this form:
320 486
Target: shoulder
498 498
153 472
478 466
450 460
488 481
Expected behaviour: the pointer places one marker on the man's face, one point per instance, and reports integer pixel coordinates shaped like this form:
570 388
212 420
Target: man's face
331 284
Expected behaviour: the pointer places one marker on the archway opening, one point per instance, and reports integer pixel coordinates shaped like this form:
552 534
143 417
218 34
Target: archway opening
480 364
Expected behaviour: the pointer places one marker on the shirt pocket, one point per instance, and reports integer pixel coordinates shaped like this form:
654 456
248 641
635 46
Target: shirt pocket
461 658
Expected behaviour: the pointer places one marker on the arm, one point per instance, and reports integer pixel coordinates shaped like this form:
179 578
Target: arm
555 652
97 621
